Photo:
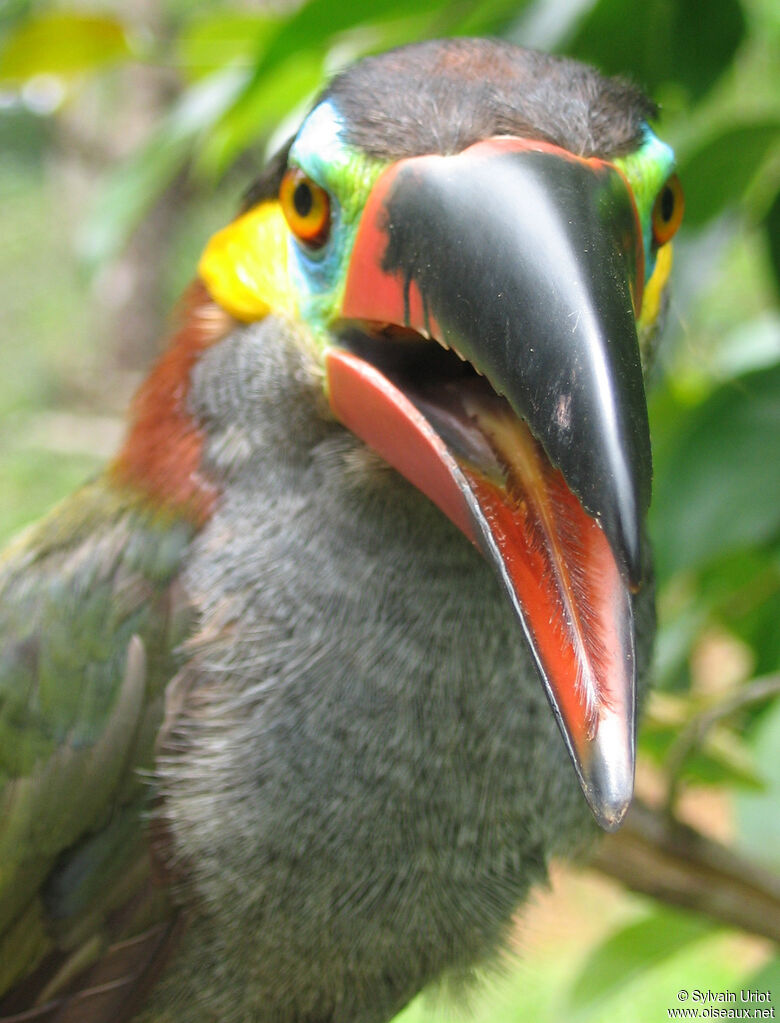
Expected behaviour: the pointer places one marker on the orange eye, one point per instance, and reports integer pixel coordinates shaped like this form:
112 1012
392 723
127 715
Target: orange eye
306 208
668 211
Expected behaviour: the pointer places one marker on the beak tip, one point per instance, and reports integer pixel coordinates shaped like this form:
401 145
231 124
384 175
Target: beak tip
607 777
609 813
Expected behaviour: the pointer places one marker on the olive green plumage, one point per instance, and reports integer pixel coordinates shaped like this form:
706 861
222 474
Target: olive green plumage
89 625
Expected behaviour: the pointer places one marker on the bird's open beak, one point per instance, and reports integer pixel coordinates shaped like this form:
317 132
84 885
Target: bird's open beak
527 423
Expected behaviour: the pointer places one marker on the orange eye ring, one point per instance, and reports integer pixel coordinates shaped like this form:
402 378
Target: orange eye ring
668 211
306 208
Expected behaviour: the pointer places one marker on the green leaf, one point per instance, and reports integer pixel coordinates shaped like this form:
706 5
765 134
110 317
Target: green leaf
632 951
315 24
743 591
679 627
687 41
63 43
284 71
212 42
715 487
772 225
261 107
723 759
754 344
757 625
131 190
759 816
487 17
716 174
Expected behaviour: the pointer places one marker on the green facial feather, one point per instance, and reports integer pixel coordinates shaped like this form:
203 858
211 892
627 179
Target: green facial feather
647 169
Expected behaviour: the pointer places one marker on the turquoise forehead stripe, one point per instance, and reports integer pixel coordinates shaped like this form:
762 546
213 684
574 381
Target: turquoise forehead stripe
647 169
319 148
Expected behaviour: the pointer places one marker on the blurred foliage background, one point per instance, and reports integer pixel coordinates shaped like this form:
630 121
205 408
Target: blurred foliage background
127 134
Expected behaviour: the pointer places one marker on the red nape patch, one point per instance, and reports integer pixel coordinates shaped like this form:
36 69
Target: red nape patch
162 452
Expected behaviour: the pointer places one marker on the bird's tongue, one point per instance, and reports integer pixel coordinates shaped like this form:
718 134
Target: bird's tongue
465 448
555 557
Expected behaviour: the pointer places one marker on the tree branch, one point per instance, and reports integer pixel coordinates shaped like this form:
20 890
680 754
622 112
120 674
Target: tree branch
657 856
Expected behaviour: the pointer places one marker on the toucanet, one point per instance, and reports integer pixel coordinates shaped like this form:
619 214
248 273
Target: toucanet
300 695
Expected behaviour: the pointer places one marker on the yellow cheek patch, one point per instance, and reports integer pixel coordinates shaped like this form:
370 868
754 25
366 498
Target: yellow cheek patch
656 286
244 266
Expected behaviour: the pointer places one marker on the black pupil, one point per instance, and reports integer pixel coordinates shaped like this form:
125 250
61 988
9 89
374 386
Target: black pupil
303 200
667 203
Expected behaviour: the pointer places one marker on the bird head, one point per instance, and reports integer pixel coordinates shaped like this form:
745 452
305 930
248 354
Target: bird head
475 241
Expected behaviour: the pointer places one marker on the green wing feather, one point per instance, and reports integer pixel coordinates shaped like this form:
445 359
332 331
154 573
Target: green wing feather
90 617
